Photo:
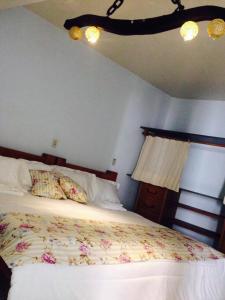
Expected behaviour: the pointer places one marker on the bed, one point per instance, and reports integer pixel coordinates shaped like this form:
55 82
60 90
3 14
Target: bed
53 249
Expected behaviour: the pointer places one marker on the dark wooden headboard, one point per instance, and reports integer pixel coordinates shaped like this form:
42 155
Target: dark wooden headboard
50 159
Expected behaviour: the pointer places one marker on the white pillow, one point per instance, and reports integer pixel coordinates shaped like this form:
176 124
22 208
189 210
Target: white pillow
106 191
6 189
101 192
84 179
109 205
37 165
14 173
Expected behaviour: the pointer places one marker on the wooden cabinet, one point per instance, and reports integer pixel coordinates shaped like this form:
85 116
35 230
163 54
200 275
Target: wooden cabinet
156 204
221 229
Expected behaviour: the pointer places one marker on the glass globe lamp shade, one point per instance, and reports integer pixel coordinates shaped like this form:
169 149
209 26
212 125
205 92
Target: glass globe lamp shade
75 33
92 34
189 30
216 28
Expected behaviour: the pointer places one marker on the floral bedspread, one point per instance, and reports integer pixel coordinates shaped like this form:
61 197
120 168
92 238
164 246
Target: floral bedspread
28 239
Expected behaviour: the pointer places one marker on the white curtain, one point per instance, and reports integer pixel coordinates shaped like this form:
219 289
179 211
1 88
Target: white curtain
161 162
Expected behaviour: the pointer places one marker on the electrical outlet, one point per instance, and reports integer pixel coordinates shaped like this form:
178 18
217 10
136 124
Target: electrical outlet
55 143
114 162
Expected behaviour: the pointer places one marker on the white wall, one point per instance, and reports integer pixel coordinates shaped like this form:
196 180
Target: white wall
145 108
53 87
205 117
205 168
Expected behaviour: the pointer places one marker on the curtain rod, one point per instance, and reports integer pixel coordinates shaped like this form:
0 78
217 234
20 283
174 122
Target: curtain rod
185 136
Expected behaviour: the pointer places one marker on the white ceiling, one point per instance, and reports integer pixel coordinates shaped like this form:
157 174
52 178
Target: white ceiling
4 4
185 70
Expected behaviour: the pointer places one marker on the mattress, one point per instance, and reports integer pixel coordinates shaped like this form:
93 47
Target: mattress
159 279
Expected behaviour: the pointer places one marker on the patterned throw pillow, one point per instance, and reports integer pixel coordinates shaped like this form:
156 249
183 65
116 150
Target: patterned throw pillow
44 184
73 190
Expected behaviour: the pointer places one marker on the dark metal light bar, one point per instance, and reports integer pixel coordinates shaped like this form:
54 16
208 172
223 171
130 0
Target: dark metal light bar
151 25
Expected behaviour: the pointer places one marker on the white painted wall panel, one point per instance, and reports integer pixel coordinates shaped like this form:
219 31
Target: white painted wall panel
53 87
205 168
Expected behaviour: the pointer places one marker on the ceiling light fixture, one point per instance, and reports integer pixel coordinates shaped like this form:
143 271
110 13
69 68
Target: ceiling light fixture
75 33
179 18
216 28
189 31
92 34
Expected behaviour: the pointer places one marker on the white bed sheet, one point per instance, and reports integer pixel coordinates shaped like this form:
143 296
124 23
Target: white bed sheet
161 280
67 208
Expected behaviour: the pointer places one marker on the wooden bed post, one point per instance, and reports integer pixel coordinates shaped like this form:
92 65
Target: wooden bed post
221 246
5 278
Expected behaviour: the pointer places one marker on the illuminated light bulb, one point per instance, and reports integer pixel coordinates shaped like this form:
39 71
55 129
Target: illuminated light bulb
189 30
92 34
216 28
75 33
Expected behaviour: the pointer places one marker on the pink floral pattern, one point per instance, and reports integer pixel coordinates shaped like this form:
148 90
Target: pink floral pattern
84 249
72 189
105 244
22 246
27 239
45 184
48 258
3 227
124 258
26 226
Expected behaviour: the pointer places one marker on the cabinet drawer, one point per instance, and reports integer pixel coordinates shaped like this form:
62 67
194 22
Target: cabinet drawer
156 203
150 202
148 214
152 192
